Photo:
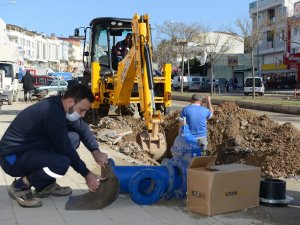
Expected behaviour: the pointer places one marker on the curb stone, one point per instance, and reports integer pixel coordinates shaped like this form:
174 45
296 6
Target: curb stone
250 105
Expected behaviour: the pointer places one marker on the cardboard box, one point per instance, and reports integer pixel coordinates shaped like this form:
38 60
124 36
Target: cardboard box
221 189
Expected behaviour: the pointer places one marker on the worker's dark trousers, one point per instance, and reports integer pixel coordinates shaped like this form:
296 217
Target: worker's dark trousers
41 167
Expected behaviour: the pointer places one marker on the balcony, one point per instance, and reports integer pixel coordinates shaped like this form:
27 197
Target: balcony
263 4
268 47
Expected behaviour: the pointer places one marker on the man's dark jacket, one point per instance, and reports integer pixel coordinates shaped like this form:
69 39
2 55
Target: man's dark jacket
43 126
28 81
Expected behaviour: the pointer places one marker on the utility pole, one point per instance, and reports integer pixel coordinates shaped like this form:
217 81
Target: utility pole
257 24
182 75
257 49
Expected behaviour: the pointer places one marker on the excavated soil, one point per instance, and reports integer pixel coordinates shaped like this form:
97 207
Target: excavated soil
234 135
238 135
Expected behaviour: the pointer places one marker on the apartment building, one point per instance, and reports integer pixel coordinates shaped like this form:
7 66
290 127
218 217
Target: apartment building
269 18
39 50
292 55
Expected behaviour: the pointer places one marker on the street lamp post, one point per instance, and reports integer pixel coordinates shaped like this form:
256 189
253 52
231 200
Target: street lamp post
257 53
182 45
257 24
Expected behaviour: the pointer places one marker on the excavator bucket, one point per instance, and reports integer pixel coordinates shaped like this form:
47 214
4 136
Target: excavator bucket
153 142
156 146
106 194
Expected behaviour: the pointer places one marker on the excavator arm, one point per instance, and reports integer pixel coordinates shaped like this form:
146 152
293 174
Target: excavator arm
138 65
129 81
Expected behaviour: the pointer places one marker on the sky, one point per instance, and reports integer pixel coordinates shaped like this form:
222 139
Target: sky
61 17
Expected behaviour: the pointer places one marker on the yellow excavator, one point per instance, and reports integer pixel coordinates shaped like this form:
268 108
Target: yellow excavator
132 80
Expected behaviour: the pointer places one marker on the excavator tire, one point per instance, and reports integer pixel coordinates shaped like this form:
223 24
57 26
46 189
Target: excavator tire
93 116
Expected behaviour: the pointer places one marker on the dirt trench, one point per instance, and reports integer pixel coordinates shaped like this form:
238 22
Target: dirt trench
234 135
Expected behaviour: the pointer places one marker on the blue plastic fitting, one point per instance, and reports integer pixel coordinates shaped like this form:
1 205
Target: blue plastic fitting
148 184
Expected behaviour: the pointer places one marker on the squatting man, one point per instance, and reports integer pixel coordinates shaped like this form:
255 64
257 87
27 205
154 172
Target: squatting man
40 144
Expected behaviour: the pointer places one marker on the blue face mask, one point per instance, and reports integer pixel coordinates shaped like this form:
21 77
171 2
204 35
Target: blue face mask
73 116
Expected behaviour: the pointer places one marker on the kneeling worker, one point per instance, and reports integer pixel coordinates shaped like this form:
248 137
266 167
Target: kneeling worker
40 144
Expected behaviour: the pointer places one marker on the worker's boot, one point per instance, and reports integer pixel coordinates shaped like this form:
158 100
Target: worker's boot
53 189
24 197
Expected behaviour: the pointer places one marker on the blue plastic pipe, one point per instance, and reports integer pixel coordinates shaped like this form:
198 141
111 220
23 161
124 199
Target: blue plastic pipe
148 184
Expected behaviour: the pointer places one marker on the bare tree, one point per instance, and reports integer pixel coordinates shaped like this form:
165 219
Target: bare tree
251 35
217 44
180 34
164 53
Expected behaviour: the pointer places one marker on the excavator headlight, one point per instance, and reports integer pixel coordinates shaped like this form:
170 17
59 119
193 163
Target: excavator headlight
97 97
120 24
105 80
113 23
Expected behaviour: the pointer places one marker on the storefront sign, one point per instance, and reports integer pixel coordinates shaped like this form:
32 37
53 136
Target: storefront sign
266 67
288 58
233 61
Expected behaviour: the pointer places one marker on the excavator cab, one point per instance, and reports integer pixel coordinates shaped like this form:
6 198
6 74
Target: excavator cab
126 79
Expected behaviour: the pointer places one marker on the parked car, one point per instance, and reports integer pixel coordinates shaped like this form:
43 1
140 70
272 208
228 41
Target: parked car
51 85
259 86
197 83
215 82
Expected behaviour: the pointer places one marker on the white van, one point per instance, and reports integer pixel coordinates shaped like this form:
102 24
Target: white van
259 86
177 82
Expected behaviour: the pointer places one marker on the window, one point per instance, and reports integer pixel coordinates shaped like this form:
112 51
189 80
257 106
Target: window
282 36
271 14
249 82
100 48
7 69
270 39
54 83
270 36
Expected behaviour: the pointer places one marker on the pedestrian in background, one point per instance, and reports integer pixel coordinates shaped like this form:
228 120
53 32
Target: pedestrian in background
226 86
28 87
235 83
196 118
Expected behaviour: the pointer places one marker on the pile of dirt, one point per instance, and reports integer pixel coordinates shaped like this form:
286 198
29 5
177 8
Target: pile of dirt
239 135
120 134
234 135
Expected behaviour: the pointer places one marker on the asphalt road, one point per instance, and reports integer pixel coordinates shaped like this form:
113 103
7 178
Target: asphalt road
278 117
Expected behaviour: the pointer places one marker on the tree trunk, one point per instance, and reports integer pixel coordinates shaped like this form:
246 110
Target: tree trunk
253 73
182 74
212 81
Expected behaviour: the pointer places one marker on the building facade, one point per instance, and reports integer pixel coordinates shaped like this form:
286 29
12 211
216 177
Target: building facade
221 44
38 50
269 21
